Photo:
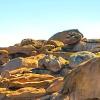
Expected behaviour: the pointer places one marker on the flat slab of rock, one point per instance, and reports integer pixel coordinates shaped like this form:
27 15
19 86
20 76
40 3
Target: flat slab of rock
27 93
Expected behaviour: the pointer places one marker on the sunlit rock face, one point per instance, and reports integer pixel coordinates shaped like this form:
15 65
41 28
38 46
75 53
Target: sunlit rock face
52 63
83 83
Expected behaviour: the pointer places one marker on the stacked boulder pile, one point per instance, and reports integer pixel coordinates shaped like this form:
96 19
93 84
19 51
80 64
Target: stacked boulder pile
64 67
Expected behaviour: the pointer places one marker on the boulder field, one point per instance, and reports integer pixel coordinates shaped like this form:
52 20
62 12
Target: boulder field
64 67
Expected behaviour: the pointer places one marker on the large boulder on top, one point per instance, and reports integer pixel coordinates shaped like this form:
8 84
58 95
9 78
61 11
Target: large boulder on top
83 82
68 37
80 57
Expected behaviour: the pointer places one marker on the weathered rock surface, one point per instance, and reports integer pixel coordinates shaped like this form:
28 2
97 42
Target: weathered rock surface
18 63
68 37
82 46
21 51
55 43
83 82
27 42
55 86
79 57
52 63
27 85
27 93
27 80
4 58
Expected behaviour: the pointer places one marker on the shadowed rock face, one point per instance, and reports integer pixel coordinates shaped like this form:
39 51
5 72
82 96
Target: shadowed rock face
83 83
18 54
91 46
68 37
87 46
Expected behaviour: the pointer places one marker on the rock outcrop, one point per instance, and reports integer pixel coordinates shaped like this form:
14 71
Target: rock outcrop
64 67
83 82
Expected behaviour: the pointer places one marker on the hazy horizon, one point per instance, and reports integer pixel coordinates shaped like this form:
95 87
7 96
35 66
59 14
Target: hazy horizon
20 19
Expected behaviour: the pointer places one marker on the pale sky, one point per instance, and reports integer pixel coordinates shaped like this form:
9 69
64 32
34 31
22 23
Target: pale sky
40 19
